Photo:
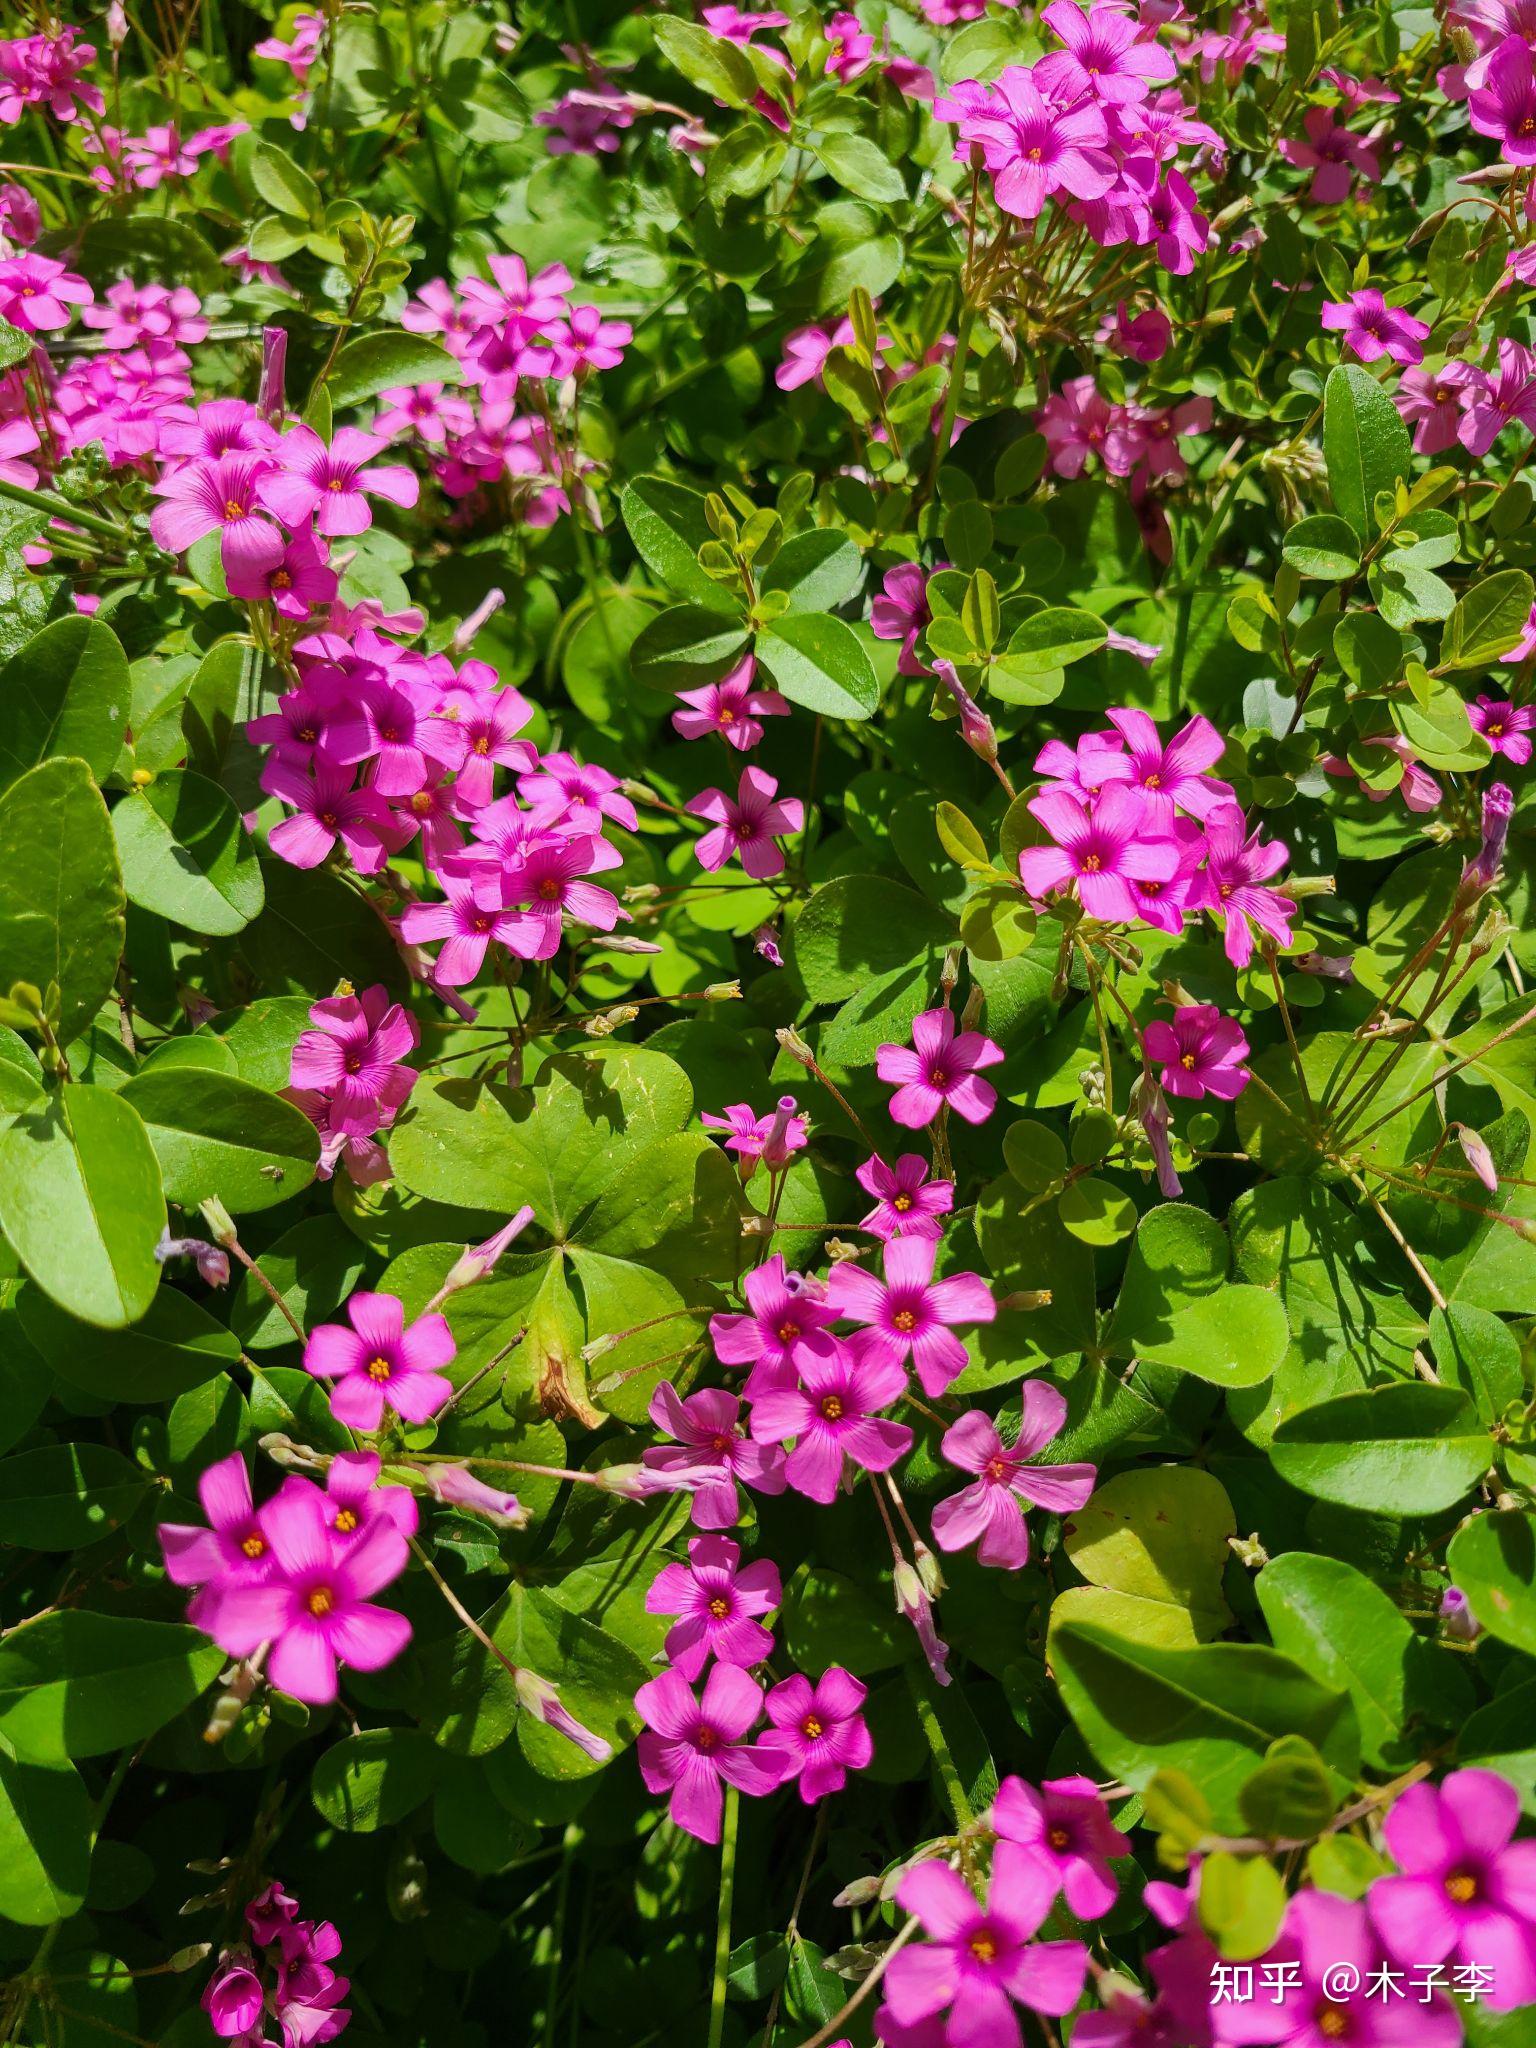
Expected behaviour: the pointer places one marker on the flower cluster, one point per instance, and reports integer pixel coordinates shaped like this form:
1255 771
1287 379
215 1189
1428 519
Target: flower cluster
44 71
349 1076
282 1974
161 155
1141 832
292 1581
507 435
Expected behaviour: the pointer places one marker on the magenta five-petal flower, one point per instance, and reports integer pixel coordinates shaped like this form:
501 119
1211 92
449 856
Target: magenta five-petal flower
820 1730
717 1601
1467 1890
380 1362
1371 328
1032 145
784 1308
909 1313
691 1744
1067 1830
981 1960
234 1550
355 1057
1239 864
907 1203
747 824
711 1454
1200 1051
1099 853
221 497
833 1415
332 484
1172 774
1107 56
316 1610
938 1068
1504 105
1505 726
987 1513
327 808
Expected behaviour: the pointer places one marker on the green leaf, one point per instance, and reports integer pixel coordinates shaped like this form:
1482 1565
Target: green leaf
1323 546
1152 1544
817 571
1346 1631
15 345
1365 444
80 1684
1290 1796
375 1778
1212 1711
1411 1449
820 662
558 1144
716 67
66 692
371 363
64 1496
45 1841
743 162
861 168
279 180
861 927
959 837
1493 1560
61 896
1053 639
174 1346
215 1135
666 522
81 1202
830 1619
685 645
1488 620
186 856
1241 1903
1178 1308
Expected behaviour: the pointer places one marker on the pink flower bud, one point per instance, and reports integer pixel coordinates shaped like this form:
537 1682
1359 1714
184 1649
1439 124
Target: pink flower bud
975 726
475 1261
274 363
538 1697
457 1487
487 608
777 1146
1478 1157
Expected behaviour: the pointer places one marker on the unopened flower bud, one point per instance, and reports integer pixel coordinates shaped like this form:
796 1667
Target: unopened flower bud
220 1223
928 1570
1325 966
1478 1157
457 1487
975 727
1456 1613
862 1892
117 24
766 945
485 610
538 1697
621 942
1482 871
606 1022
913 1605
779 1145
1027 1298
795 1045
1299 887
271 401
723 992
629 1482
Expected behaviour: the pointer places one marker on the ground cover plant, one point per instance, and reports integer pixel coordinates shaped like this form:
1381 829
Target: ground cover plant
766 1058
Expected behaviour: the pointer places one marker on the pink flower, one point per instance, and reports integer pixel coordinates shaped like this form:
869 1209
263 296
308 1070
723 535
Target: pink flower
987 1512
901 613
328 808
711 1454
910 1313
717 1602
1322 1934
1101 854
1076 422
784 1310
1333 155
586 123
939 1069
380 1362
1106 57
981 1960
1371 328
1067 1830
805 353
233 1997
550 882
234 1550
1493 403
218 497
852 52
1174 774
1238 866
1032 146
690 1745
36 293
1505 726
820 1731
1504 105
355 1056
1467 1893
1200 1051
316 1611
299 583
753 1136
729 707
478 912
586 341
833 1415
1145 338
577 795
331 485
746 825
1431 402
907 1203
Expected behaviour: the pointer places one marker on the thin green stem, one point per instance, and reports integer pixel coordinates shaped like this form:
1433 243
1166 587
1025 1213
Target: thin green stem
717 1987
